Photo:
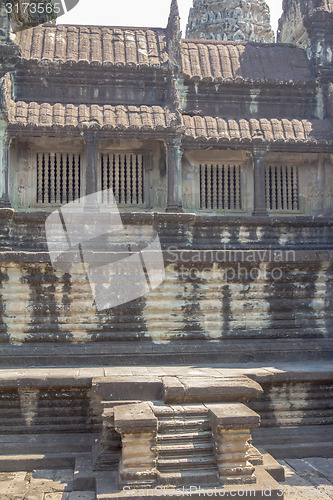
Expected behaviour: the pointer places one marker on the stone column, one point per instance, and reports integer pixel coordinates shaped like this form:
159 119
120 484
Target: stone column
4 166
174 173
4 23
231 427
137 425
259 207
92 160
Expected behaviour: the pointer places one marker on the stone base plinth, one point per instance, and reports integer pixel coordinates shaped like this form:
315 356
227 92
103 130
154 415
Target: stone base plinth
266 487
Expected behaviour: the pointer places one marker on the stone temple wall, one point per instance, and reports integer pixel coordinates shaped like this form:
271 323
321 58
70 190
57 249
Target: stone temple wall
232 301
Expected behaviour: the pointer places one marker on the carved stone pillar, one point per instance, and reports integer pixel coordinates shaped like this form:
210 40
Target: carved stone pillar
92 160
259 182
174 172
231 427
137 425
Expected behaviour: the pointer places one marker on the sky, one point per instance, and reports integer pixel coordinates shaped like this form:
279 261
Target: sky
153 13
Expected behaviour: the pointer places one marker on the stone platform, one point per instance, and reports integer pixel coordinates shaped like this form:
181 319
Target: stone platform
172 427
306 478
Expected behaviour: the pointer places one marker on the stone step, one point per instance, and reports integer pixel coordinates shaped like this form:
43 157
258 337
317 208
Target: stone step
180 426
203 448
195 410
46 429
303 434
184 437
201 476
301 450
35 444
189 462
28 463
44 420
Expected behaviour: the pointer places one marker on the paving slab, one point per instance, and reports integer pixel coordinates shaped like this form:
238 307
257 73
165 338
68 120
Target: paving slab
34 496
303 469
11 488
296 487
82 495
322 465
56 496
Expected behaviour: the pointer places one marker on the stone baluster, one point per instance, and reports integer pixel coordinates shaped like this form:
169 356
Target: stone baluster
122 179
137 425
238 201
279 183
226 187
215 168
52 181
220 181
92 162
92 169
203 186
269 185
231 427
77 176
232 186
58 187
259 182
174 170
135 164
40 175
140 179
289 188
295 189
117 177
209 186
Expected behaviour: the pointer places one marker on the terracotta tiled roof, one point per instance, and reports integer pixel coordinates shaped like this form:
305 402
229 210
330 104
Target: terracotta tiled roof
223 61
261 130
137 47
92 116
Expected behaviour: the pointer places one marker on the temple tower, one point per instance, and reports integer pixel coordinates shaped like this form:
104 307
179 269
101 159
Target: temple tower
236 20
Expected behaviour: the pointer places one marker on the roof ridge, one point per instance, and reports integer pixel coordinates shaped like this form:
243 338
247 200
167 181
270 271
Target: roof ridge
232 42
101 26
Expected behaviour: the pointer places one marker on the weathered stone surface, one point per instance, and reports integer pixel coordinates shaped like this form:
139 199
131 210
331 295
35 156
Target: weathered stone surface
230 20
129 418
229 415
308 24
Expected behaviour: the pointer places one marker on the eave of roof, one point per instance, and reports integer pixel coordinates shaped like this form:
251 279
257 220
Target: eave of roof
263 130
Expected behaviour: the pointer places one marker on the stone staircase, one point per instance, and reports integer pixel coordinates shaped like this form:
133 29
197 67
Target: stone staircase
184 444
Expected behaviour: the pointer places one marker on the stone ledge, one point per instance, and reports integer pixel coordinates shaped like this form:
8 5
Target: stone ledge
233 416
144 388
134 418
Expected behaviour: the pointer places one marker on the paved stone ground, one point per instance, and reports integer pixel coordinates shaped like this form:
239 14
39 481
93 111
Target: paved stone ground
40 485
311 478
